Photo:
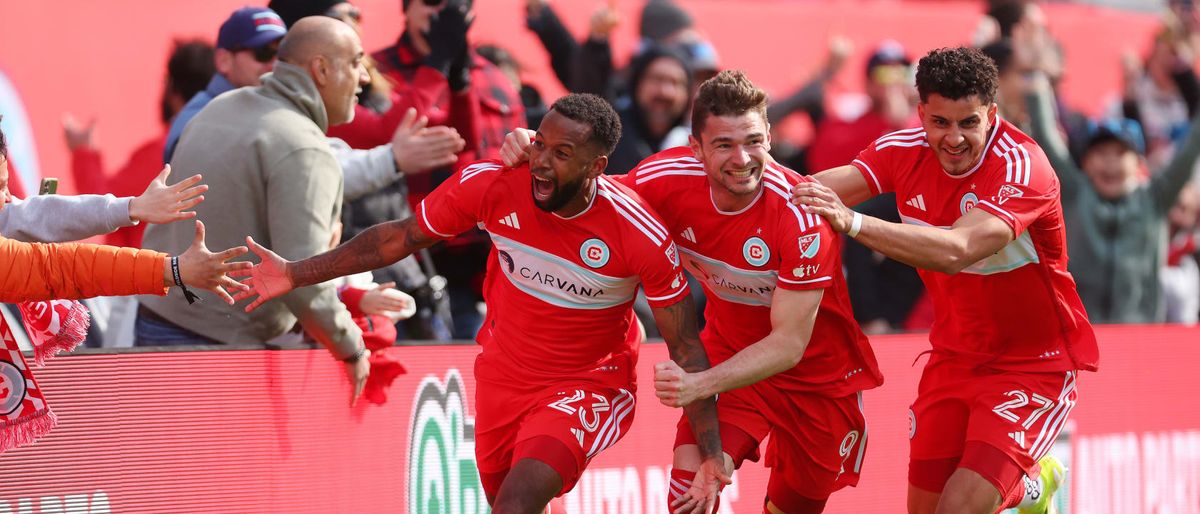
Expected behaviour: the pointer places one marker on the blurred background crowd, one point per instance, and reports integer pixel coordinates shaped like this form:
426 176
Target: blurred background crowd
1110 92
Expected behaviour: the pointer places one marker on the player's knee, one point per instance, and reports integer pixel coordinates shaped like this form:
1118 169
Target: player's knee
517 504
968 492
528 488
786 501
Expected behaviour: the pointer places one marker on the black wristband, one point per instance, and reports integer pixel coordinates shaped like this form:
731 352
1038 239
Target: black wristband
190 296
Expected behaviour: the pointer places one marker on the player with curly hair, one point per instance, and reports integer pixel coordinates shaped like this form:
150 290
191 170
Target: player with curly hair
982 221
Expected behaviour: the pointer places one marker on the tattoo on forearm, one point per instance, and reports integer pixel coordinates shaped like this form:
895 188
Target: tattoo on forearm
374 248
677 324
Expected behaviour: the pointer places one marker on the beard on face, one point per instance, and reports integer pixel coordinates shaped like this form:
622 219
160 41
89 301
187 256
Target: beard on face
562 194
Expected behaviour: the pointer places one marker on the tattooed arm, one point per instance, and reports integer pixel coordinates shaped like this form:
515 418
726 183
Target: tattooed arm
374 248
677 324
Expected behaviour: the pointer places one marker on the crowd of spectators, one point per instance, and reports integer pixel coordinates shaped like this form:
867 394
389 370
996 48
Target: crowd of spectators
309 140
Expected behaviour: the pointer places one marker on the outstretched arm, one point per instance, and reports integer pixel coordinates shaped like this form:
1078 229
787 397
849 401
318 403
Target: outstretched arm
973 237
677 324
793 314
374 248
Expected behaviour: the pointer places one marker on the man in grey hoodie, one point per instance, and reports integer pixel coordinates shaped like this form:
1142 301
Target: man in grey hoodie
273 176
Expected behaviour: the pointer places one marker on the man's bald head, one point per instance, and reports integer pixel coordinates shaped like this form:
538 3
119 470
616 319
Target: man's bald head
317 36
330 51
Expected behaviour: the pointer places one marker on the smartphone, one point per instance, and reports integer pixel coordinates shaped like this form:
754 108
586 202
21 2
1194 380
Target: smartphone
49 186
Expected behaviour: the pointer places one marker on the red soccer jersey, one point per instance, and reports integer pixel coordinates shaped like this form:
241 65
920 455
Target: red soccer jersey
741 257
559 291
1017 309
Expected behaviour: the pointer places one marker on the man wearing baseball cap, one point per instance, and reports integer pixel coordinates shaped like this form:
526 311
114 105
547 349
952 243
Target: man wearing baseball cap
246 47
1115 213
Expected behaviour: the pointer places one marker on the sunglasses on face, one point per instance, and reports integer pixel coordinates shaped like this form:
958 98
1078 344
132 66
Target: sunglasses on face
263 54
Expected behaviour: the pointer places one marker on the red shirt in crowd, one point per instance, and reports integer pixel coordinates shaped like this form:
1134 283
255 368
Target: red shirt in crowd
145 163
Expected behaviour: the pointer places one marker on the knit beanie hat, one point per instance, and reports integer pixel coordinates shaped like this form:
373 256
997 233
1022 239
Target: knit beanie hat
661 18
292 10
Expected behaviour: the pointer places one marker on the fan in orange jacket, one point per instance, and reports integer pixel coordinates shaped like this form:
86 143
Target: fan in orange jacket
40 271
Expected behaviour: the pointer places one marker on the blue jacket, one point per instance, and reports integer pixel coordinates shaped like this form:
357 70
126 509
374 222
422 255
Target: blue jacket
216 86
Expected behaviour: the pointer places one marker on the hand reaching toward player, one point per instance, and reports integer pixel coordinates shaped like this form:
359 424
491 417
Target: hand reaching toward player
418 148
515 149
704 496
386 300
267 279
162 204
818 199
203 269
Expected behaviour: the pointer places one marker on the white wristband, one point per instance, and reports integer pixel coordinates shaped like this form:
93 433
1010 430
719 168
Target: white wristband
855 225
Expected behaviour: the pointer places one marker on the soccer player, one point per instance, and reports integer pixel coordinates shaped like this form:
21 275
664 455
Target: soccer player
983 223
557 372
789 359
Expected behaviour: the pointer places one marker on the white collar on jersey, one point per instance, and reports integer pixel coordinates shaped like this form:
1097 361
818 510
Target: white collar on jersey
761 187
591 201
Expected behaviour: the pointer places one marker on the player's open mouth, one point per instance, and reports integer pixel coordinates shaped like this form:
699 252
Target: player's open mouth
542 188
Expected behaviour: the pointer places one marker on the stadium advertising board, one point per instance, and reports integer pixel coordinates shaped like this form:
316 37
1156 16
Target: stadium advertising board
271 431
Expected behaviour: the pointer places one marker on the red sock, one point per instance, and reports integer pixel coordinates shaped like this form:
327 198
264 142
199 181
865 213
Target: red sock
681 481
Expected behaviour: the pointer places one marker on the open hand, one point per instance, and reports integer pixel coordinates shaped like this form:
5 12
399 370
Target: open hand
201 268
162 204
704 495
267 279
383 300
418 148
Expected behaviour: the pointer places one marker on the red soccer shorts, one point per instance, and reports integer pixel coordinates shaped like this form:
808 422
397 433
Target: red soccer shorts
817 443
563 426
997 423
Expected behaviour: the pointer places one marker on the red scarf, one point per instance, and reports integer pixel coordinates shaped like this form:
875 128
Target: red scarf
24 415
54 326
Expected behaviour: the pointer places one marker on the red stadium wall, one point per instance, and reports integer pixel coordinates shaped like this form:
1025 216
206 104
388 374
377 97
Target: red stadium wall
106 60
270 431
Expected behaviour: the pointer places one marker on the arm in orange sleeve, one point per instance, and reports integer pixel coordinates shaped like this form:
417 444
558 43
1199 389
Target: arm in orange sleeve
39 271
